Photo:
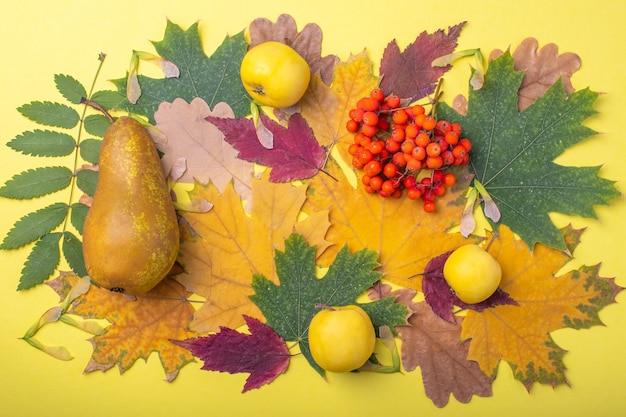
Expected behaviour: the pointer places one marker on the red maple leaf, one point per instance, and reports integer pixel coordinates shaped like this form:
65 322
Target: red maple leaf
409 73
441 298
296 154
262 353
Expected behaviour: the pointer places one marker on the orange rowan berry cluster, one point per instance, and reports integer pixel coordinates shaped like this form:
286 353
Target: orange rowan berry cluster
404 148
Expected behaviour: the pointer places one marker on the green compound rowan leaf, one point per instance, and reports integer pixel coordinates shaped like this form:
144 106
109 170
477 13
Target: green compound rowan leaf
50 114
513 152
43 143
214 79
70 88
36 182
290 306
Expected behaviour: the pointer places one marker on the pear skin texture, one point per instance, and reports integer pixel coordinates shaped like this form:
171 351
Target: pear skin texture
130 235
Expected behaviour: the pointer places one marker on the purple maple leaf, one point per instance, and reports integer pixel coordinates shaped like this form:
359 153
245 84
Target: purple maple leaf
409 74
441 297
296 154
262 353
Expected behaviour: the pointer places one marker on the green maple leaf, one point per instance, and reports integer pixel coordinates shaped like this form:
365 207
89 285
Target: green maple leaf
214 79
290 306
513 153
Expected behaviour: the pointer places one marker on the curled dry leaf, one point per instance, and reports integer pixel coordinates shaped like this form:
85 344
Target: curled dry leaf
307 42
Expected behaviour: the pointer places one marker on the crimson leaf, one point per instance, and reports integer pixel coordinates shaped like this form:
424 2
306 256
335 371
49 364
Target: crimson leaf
442 299
262 353
296 154
409 73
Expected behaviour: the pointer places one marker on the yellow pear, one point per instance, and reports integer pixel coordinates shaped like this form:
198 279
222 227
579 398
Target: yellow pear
130 235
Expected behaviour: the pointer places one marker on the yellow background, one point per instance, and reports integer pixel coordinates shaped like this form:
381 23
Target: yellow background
39 39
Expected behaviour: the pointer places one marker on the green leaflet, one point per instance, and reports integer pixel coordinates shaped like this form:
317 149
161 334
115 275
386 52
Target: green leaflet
77 216
34 225
90 150
86 180
73 252
36 182
41 262
70 88
50 114
290 306
96 124
513 152
214 79
43 143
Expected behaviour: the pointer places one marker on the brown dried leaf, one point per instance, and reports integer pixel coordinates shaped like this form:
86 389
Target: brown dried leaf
307 42
435 346
543 67
186 134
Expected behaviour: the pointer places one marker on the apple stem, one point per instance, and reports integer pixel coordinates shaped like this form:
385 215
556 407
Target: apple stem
493 238
324 306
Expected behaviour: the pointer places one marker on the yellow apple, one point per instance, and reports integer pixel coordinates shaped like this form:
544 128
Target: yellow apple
341 338
274 74
472 273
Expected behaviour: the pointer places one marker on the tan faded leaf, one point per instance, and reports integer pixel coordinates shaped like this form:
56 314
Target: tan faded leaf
435 346
520 335
307 42
229 247
326 108
399 229
208 157
542 68
139 327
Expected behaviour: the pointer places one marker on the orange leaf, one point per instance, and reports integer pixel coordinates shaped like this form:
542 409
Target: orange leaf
520 334
406 237
228 247
139 327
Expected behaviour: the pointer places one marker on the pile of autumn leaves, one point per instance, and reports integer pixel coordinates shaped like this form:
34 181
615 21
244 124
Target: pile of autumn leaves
235 254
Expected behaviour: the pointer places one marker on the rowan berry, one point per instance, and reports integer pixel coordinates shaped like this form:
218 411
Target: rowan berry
368 104
459 151
398 134
419 119
399 158
419 153
388 187
364 156
466 144
409 182
449 179
353 149
376 183
455 127
414 164
411 131
437 176
378 95
383 123
433 149
400 117
444 126
439 190
393 101
407 146
429 123
369 130
452 138
373 168
352 126
390 170
429 206
376 146
413 193
434 162
447 157
422 140
356 115
392 146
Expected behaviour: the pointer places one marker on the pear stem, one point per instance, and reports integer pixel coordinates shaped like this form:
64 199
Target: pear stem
98 107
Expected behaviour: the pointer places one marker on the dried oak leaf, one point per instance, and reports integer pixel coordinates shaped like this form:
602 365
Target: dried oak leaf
138 327
435 346
208 157
262 353
441 298
326 107
296 154
405 236
520 334
307 42
542 68
409 73
227 247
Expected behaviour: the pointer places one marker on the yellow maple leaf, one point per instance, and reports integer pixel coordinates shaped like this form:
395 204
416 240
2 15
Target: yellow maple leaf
139 327
405 236
520 335
326 107
227 247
